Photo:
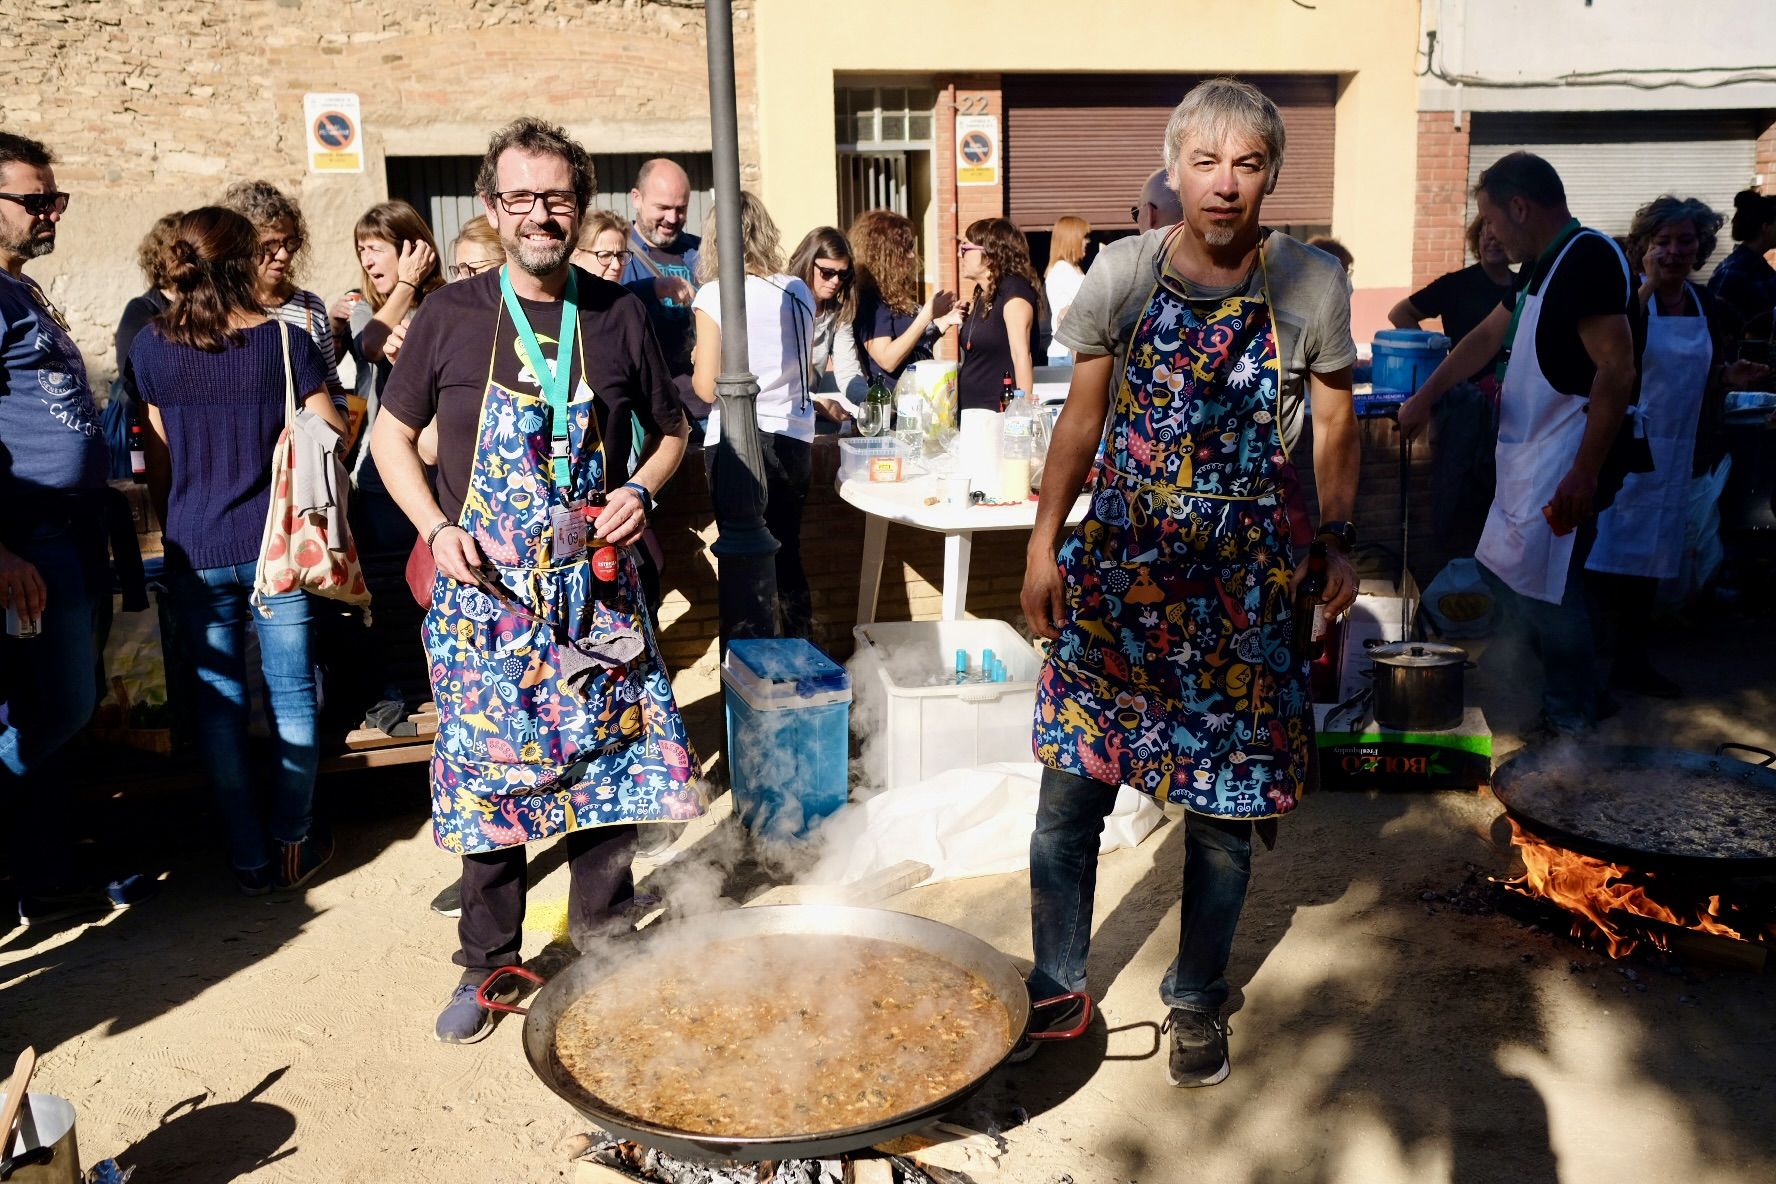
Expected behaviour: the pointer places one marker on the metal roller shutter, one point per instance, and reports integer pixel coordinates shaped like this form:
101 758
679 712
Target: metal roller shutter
1084 144
1612 163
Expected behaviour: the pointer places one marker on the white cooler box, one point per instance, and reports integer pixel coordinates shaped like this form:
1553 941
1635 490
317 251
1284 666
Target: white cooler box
911 718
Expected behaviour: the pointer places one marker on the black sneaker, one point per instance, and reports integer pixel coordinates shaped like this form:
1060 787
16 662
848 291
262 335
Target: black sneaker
1059 1019
448 902
1198 1054
48 907
297 863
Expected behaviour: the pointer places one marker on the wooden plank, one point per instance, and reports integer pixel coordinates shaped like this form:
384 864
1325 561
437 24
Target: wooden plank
378 758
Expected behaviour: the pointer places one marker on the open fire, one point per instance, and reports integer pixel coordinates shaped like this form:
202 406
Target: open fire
1615 902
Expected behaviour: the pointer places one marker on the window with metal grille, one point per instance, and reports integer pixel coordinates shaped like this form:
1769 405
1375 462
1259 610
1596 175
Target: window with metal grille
866 117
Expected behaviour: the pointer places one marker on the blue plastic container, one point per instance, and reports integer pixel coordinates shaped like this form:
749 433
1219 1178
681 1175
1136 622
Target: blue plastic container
789 727
1404 358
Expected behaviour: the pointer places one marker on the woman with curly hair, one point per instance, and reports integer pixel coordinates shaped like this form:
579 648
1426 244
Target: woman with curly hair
283 242
999 334
892 329
1683 373
151 258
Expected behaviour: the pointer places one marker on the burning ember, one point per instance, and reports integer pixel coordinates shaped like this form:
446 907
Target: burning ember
1612 900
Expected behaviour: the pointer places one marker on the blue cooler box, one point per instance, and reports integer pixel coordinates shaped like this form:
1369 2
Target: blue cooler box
1404 358
789 727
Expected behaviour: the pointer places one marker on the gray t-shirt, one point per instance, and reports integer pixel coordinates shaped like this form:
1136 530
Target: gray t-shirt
1311 290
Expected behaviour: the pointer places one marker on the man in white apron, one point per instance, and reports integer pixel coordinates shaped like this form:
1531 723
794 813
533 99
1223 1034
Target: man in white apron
1564 440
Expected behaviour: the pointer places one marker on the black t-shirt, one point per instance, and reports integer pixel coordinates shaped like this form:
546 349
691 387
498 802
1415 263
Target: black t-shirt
444 366
136 314
876 319
1463 299
986 350
1592 281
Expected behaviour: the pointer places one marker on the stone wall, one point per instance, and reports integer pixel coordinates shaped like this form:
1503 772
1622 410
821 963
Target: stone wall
154 105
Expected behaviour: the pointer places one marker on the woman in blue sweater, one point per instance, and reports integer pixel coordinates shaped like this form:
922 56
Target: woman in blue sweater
210 371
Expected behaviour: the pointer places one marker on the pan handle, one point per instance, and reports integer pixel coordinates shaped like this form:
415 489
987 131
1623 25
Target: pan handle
495 1004
1071 1033
1769 757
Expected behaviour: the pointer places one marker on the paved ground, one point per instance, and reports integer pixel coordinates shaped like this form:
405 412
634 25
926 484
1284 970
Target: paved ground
1378 1037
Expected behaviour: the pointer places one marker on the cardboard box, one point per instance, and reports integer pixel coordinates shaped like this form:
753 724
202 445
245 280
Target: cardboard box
1362 755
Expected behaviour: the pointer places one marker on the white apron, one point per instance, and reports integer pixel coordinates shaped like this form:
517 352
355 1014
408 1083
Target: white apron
1642 533
1539 433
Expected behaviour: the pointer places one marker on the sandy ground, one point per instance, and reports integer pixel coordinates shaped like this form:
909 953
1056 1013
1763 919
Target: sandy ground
1379 1037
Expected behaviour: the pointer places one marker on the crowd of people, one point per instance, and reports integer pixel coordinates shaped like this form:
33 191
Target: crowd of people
521 399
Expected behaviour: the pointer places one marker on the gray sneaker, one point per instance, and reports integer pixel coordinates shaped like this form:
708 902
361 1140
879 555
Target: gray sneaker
464 1020
1198 1054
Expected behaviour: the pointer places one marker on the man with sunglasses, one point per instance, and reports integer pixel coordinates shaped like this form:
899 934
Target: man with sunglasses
1158 207
54 574
556 716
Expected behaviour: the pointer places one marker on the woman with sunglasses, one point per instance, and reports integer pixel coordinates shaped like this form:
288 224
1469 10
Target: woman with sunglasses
283 239
823 261
999 334
604 245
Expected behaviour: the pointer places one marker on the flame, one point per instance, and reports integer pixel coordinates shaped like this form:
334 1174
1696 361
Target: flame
1599 894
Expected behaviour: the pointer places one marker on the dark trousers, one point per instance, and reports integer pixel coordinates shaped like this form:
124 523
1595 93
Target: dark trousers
1625 606
1563 637
789 471
1064 877
495 885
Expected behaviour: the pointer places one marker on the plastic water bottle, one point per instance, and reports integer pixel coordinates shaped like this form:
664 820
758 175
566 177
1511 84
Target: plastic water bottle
909 415
1016 428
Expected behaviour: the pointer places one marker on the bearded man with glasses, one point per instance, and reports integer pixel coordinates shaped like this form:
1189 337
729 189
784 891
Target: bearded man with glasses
556 715
55 580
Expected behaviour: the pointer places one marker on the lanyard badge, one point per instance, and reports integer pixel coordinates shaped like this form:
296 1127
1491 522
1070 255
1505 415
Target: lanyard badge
553 379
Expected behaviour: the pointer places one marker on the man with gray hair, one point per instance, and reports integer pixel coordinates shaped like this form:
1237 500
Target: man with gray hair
662 267
1172 606
1158 207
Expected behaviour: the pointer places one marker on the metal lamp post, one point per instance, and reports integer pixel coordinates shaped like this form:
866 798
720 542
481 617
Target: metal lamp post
744 545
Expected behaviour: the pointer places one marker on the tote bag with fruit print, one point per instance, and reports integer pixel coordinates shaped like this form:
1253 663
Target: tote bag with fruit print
307 546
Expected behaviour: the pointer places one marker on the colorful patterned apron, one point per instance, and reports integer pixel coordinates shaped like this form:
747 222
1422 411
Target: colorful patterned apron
522 753
1173 672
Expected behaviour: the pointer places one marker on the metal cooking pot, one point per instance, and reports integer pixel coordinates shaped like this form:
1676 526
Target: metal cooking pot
1418 685
932 937
43 1149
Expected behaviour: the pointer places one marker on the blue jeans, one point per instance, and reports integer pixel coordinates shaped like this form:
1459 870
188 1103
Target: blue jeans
1064 876
49 686
1563 638
214 609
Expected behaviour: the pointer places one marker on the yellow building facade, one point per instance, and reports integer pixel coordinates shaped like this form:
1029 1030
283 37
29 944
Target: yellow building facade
1082 79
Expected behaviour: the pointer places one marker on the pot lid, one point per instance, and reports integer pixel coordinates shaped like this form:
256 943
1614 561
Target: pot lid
1419 653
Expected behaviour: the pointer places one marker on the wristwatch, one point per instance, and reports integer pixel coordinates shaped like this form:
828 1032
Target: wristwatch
1343 535
641 491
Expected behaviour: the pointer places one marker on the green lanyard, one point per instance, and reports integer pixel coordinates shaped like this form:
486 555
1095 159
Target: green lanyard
553 379
1560 240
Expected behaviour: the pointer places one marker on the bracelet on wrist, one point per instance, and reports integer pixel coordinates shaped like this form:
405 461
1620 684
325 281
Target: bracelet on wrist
642 492
409 283
432 535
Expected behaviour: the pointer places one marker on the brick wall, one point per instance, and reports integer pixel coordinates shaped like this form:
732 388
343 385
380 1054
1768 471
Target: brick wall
154 105
1766 154
1442 204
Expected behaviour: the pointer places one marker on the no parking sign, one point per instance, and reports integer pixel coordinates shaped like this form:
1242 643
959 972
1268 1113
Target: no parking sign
335 133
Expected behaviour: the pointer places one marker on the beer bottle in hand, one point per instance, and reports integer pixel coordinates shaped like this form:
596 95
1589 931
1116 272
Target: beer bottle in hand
1310 609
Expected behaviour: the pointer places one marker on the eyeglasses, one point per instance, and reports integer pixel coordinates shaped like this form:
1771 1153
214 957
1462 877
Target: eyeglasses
1134 213
270 247
463 271
967 247
40 205
607 256
842 274
523 201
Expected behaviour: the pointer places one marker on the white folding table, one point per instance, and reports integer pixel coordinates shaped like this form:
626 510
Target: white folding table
883 502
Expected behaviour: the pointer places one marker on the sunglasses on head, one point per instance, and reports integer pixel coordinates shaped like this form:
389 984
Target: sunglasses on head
39 204
843 274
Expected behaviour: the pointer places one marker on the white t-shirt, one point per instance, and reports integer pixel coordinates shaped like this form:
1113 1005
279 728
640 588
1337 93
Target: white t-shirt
1061 286
780 345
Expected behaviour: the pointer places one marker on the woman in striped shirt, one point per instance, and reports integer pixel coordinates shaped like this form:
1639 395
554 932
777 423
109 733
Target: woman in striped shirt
283 235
